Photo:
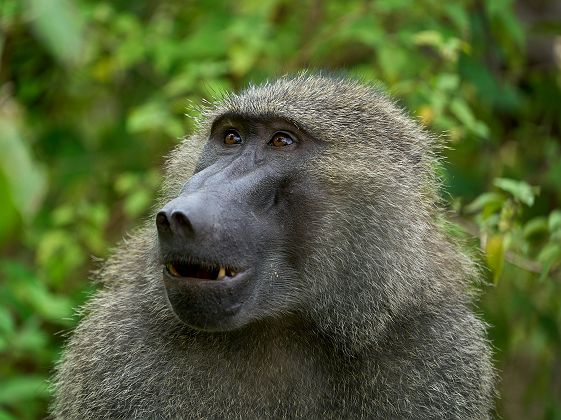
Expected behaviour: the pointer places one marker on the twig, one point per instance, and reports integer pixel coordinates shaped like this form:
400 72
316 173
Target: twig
510 256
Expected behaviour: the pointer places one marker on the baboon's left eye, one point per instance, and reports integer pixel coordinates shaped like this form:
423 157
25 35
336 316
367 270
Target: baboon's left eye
232 137
281 140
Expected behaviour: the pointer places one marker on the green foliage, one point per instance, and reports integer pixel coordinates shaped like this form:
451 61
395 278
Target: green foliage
93 93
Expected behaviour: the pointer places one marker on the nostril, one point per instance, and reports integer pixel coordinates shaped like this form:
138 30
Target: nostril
162 221
182 221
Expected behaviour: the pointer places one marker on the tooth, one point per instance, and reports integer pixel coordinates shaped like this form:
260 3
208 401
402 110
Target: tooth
222 273
232 273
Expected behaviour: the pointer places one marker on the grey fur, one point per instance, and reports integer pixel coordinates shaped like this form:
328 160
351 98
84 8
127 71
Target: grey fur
377 324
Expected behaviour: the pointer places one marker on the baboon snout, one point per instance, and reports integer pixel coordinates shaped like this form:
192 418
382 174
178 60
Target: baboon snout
173 222
182 217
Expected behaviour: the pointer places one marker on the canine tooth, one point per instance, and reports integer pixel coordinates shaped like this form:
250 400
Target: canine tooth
222 272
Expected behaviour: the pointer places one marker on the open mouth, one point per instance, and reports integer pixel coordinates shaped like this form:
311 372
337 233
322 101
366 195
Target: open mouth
198 270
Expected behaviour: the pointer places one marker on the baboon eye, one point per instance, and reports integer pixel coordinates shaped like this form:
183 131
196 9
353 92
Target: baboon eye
281 140
232 137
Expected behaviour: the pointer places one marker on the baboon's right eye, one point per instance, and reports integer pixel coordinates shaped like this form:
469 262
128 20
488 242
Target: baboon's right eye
232 137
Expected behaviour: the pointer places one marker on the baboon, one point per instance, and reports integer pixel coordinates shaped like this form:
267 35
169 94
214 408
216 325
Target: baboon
297 267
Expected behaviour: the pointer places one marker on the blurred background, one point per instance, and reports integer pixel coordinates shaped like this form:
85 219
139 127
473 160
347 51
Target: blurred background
94 93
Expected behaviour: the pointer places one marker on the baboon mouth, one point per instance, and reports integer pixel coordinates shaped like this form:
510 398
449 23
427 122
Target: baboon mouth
197 270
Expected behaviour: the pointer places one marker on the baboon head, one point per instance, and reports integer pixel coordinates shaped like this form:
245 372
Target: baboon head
310 198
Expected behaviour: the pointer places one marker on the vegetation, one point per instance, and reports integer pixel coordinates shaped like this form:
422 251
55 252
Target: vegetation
93 93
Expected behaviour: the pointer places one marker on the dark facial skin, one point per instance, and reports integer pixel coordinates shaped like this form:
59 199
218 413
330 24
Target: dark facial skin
234 237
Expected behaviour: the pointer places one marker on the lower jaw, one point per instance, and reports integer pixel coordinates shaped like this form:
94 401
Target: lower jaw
209 305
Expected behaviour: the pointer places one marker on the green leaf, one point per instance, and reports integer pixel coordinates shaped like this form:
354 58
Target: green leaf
60 27
96 214
25 177
489 201
63 215
429 37
447 82
59 253
126 182
9 219
463 113
6 321
4 415
494 252
391 60
550 253
549 256
535 226
554 221
154 116
138 202
520 190
22 388
30 338
55 308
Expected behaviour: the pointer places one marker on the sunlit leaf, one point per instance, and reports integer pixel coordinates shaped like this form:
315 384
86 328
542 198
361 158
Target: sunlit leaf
391 60
96 214
519 189
426 114
126 182
490 201
138 203
447 81
154 116
494 252
429 37
554 221
60 26
63 215
27 179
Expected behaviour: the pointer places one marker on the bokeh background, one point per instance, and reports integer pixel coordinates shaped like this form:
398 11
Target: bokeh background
94 93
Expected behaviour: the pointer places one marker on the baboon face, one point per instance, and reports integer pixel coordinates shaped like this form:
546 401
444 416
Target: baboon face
233 240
